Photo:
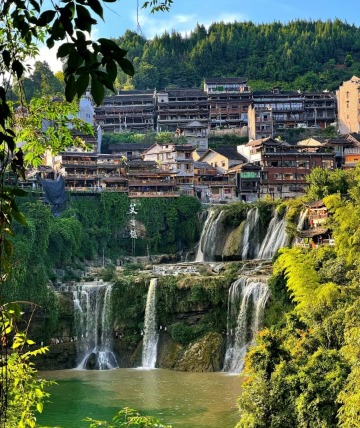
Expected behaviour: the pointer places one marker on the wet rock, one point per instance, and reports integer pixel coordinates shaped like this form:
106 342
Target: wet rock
205 355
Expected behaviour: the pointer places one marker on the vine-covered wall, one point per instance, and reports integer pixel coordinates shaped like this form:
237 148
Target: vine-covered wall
90 227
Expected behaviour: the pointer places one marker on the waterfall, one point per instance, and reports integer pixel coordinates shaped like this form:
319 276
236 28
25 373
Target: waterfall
275 237
92 308
251 235
301 221
151 335
246 304
207 244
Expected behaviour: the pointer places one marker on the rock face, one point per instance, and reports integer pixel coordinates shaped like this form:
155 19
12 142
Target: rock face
169 352
60 356
189 309
206 355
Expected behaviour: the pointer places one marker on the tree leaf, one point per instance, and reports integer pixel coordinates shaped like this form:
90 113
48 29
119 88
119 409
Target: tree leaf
6 57
64 50
82 84
111 69
96 7
97 90
70 88
126 66
46 17
19 217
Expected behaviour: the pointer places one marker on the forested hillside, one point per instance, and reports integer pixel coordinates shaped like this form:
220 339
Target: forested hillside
307 55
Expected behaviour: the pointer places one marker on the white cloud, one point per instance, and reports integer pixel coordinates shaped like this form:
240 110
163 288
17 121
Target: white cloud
49 55
157 24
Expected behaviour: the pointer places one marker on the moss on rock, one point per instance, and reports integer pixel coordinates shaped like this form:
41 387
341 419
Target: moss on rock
205 355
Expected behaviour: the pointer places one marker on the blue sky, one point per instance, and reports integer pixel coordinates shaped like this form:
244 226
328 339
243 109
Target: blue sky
185 14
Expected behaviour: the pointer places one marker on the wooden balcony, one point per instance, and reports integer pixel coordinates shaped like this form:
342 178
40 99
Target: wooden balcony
154 194
152 183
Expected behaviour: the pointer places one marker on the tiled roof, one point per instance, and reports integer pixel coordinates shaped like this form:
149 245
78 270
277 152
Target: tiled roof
184 148
230 153
130 146
316 204
203 165
186 92
224 80
310 142
258 142
313 232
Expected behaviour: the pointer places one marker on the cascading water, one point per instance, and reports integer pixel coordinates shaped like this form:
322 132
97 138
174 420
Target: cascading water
92 307
247 300
250 242
275 237
302 219
151 335
207 244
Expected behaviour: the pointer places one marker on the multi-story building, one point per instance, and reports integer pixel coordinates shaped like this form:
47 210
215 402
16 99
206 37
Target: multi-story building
272 110
147 180
175 159
248 182
223 158
196 134
127 111
275 110
92 171
285 168
348 98
177 108
229 99
130 151
320 109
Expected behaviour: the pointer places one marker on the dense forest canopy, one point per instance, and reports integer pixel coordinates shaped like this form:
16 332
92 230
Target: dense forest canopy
306 55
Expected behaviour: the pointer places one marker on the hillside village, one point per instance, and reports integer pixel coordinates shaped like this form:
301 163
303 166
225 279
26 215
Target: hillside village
266 166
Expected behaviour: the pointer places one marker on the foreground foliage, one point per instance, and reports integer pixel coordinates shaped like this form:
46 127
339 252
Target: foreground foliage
26 392
128 418
304 368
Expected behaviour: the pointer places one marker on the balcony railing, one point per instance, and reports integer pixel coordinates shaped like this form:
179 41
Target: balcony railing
154 194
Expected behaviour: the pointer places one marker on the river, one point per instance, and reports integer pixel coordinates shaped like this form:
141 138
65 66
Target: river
184 400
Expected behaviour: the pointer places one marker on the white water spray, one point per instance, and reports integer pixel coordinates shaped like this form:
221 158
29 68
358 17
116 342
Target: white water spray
92 307
208 240
275 237
151 335
252 222
247 300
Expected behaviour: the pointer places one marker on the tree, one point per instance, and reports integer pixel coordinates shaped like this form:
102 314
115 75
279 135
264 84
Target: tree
324 182
49 124
42 82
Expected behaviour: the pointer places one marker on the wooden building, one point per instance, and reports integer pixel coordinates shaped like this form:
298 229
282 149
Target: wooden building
127 111
284 168
229 99
177 108
147 180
